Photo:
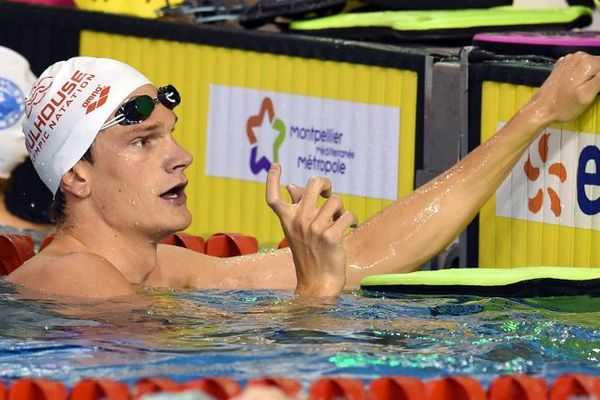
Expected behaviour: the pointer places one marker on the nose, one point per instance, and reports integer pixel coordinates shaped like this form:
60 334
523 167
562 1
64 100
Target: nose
179 158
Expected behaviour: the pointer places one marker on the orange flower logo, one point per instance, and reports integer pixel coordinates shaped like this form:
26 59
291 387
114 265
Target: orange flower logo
533 173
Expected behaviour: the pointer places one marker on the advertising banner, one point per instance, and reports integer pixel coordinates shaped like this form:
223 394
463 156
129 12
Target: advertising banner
243 110
349 142
547 210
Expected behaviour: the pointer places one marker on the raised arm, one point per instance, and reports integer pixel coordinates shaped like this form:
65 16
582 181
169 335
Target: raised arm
414 229
411 231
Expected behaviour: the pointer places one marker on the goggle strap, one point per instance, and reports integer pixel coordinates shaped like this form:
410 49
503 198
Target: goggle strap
112 122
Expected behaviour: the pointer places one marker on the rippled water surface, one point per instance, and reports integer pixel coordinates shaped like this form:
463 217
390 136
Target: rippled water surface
241 334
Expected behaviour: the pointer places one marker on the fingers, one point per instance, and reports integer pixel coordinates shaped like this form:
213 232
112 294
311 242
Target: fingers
326 193
592 65
295 192
589 90
579 66
570 88
304 201
587 69
568 62
317 186
346 220
329 216
272 193
586 66
331 210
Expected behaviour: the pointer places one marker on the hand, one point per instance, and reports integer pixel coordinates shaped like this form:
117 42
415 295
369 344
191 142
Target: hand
570 88
314 234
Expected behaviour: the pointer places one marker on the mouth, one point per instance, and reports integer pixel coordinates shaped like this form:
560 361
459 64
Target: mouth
176 194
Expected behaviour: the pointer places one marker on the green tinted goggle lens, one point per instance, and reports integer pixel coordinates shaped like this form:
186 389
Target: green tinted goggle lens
137 109
145 105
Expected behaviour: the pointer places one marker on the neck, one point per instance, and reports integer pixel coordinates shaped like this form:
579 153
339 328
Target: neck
134 255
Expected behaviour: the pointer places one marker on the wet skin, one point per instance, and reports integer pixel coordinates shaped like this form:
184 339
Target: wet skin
133 194
117 215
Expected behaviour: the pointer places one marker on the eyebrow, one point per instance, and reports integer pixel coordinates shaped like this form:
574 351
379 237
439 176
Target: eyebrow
152 127
145 128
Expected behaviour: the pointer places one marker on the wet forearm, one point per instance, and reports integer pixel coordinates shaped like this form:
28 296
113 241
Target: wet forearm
413 230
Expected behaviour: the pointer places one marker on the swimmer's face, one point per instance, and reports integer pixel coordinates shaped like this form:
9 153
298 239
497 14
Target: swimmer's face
138 180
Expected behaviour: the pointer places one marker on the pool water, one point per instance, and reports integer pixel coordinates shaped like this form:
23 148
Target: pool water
186 335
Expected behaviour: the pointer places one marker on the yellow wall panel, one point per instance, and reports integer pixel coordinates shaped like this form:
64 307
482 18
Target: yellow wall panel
515 241
223 204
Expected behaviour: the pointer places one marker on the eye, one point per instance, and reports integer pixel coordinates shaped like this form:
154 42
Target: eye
141 141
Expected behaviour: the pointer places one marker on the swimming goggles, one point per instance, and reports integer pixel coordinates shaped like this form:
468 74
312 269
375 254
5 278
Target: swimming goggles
137 109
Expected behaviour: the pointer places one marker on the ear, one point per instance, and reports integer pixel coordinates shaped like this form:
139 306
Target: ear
76 181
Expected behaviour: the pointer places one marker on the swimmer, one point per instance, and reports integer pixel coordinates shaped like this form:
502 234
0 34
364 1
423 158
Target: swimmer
100 136
24 200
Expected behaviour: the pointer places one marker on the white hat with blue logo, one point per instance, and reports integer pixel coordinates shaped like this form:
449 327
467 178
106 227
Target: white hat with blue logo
16 79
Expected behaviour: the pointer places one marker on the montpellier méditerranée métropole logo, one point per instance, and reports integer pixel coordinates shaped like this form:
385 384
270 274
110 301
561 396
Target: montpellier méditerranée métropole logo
265 133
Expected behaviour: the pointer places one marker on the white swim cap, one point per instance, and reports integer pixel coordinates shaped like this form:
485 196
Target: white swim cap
66 108
15 81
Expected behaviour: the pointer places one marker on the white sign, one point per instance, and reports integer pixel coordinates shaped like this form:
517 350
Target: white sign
353 144
556 181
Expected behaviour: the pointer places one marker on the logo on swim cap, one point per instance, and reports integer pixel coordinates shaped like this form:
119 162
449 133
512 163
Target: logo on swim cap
37 93
91 105
12 103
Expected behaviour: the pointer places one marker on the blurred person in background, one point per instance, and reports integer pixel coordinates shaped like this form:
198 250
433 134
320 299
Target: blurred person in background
24 200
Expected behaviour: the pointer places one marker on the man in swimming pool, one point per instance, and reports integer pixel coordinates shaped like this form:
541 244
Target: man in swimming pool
100 136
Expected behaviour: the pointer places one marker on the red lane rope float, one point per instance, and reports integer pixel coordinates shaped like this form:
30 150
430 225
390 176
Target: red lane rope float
522 387
290 387
155 385
37 389
221 388
455 387
231 245
100 389
337 388
14 250
47 240
396 388
518 387
192 242
574 386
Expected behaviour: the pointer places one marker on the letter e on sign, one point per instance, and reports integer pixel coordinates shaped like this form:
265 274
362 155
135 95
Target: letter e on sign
589 154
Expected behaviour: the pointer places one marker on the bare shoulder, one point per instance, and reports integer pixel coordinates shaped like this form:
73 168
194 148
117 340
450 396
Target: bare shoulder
78 274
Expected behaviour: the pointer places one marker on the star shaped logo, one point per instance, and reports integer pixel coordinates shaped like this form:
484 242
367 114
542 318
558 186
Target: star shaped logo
265 132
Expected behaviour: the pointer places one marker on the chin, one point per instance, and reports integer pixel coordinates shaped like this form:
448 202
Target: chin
182 222
173 224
